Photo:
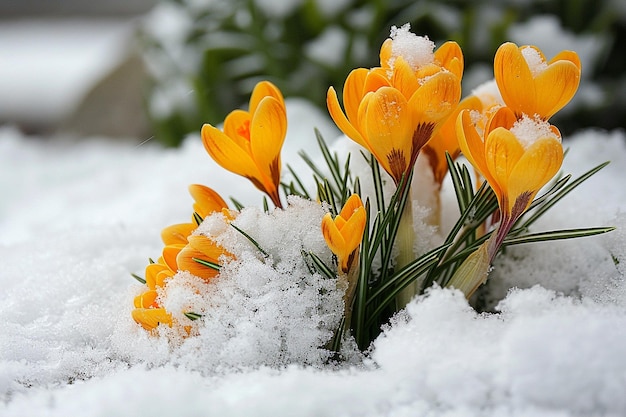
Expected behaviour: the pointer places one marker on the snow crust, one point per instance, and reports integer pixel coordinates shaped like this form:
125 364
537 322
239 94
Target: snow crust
76 220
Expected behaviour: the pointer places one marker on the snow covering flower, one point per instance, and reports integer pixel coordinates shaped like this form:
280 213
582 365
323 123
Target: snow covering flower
183 251
251 142
532 86
394 110
343 234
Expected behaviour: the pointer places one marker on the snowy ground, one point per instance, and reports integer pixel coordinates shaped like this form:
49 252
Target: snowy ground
76 220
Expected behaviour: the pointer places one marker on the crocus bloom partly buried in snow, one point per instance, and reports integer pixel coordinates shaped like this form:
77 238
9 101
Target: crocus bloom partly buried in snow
531 85
182 251
251 142
394 110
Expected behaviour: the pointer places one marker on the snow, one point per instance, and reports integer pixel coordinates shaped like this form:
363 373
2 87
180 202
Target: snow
417 51
76 219
82 217
534 60
529 130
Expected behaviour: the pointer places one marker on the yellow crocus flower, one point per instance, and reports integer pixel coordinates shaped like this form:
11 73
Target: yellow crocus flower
516 157
343 234
531 85
394 110
251 142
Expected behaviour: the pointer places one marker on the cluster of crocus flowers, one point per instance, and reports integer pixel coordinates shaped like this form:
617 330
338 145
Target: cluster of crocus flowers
343 235
183 251
251 141
395 109
513 146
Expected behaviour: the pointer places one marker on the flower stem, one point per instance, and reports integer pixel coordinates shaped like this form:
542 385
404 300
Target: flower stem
405 241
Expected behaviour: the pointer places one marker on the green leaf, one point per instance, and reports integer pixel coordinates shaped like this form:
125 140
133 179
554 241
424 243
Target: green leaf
556 235
237 204
192 316
254 242
209 264
138 278
562 192
321 267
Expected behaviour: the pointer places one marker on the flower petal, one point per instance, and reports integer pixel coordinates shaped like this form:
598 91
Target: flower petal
177 233
202 248
385 52
261 90
334 109
353 203
207 201
146 299
539 163
352 231
450 56
437 98
514 79
228 154
502 153
404 78
150 318
334 239
237 128
170 252
268 130
555 87
389 128
353 92
152 272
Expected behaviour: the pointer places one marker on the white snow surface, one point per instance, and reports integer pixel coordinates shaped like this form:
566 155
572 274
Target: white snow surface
77 219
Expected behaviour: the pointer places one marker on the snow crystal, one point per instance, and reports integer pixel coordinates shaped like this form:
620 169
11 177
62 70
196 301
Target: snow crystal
535 61
417 51
528 131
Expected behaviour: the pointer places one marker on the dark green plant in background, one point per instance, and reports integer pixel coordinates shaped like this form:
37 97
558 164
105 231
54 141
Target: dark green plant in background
204 57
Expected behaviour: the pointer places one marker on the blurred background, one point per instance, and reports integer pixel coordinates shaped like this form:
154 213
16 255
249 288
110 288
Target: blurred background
140 69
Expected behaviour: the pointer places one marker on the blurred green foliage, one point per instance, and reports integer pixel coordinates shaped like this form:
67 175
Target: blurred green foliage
206 55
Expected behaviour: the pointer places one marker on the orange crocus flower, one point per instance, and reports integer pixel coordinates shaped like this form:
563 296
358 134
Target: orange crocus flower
343 234
516 157
394 110
531 85
251 142
148 313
